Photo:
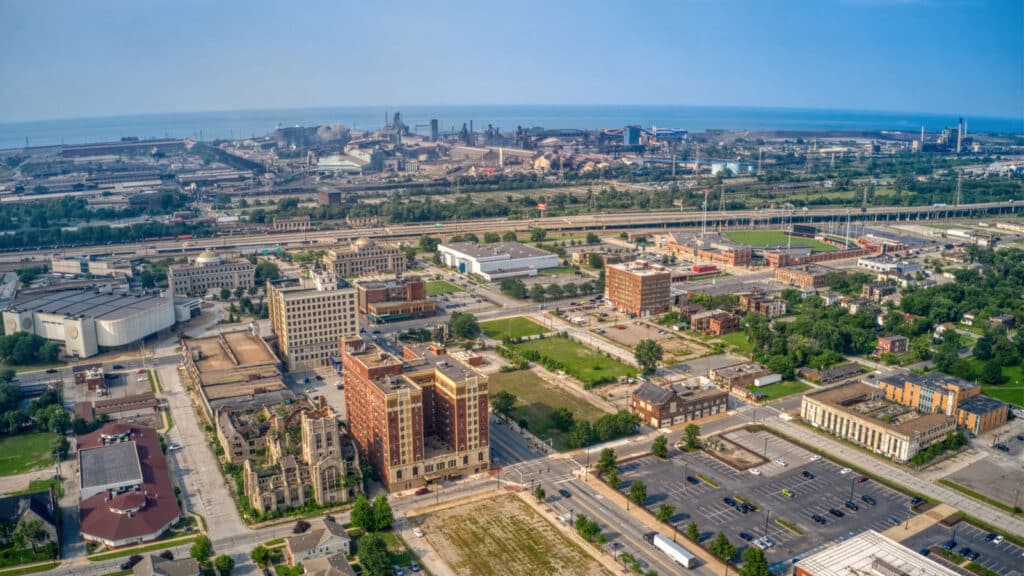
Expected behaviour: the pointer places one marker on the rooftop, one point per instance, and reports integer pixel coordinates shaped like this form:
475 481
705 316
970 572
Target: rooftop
513 250
88 303
935 381
871 554
739 370
981 405
113 464
867 402
230 350
640 268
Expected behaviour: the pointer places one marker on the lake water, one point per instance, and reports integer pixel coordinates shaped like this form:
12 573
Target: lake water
241 124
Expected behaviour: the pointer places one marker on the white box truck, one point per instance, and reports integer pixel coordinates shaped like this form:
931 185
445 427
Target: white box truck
766 380
680 555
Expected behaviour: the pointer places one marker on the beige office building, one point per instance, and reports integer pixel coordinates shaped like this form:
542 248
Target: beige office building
364 256
311 320
210 272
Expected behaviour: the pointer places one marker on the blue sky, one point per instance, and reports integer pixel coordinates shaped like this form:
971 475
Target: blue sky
62 59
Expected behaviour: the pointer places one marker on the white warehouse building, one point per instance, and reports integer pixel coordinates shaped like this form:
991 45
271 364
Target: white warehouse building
498 260
87 320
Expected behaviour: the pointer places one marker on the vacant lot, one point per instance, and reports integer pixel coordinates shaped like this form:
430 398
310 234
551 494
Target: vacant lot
1012 388
776 238
580 362
26 452
779 389
516 327
740 341
441 287
538 399
504 536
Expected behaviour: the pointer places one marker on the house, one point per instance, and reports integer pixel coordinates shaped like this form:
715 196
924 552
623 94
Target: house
324 538
661 406
16 511
152 565
714 322
1005 320
334 565
892 345
968 319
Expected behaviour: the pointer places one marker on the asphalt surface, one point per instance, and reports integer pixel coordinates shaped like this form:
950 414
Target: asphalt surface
1005 558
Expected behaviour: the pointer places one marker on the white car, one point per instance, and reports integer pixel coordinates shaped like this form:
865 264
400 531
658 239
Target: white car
418 532
174 447
781 462
844 471
998 539
815 458
755 471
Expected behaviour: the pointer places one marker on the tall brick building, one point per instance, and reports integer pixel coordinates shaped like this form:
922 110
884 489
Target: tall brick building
416 419
638 287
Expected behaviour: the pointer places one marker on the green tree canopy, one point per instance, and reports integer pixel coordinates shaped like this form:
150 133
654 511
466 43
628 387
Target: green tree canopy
648 353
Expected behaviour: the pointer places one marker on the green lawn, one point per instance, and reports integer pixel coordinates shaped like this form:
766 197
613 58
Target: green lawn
557 271
441 287
779 389
1012 388
40 485
580 362
515 327
762 237
26 452
537 400
739 340
159 545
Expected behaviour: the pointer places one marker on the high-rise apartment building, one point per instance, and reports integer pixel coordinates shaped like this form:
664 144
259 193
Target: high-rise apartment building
638 287
364 256
416 419
310 321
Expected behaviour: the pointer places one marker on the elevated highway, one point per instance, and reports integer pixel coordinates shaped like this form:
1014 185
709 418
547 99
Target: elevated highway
635 221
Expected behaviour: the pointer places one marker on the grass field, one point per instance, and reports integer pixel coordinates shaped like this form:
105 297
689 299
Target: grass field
580 362
40 485
1012 388
557 271
504 536
441 287
515 327
537 400
26 452
774 237
739 340
779 389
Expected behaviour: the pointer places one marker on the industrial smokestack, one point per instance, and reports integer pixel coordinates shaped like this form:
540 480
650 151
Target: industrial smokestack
959 134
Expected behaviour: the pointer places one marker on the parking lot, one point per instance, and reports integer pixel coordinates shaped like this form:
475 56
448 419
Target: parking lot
1005 558
826 487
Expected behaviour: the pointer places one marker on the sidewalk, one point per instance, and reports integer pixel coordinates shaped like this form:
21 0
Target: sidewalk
852 454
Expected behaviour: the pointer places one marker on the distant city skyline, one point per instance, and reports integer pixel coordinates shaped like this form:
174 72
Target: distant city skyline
63 59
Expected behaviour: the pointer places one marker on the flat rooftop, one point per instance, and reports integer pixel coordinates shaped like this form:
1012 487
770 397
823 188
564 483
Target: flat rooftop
230 350
640 268
113 464
513 250
932 381
809 269
88 303
871 554
868 402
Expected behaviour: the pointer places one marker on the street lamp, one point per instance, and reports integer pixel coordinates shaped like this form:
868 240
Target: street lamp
766 517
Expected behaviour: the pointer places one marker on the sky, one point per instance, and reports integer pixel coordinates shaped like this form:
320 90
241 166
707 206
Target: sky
69 59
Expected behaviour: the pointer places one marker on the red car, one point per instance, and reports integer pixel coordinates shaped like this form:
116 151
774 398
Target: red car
862 479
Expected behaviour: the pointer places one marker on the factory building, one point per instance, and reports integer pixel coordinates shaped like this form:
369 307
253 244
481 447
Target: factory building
88 321
638 287
498 260
310 321
91 265
210 272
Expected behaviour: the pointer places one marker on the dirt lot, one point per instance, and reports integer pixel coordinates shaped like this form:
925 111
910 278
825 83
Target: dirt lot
732 454
628 333
504 536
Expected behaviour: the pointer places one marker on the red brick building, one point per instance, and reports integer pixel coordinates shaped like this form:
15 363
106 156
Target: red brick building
892 345
638 287
416 419
394 299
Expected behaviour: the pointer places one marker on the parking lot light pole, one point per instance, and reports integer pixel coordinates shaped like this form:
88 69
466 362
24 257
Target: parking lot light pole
766 517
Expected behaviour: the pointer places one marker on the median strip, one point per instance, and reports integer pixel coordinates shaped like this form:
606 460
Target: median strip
791 527
708 480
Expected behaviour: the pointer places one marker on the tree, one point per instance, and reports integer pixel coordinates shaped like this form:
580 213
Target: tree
593 238
463 325
373 554
300 527
537 293
428 243
362 513
638 492
225 564
554 292
582 435
612 477
606 462
594 260
722 548
754 563
491 237
665 512
383 517
260 555
992 372
539 493
648 354
503 402
562 419
693 532
202 549
691 435
570 290
509 236
225 294
513 287
660 446
538 234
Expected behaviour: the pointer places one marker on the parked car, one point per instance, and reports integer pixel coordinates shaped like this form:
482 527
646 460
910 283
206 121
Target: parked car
852 505
1002 447
819 519
418 532
174 447
836 512
998 539
729 501
868 499
862 479
787 492
414 566
781 462
118 367
746 537
807 474
815 457
844 471
755 471
397 571
52 371
565 493
131 561
692 480
949 545
916 500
